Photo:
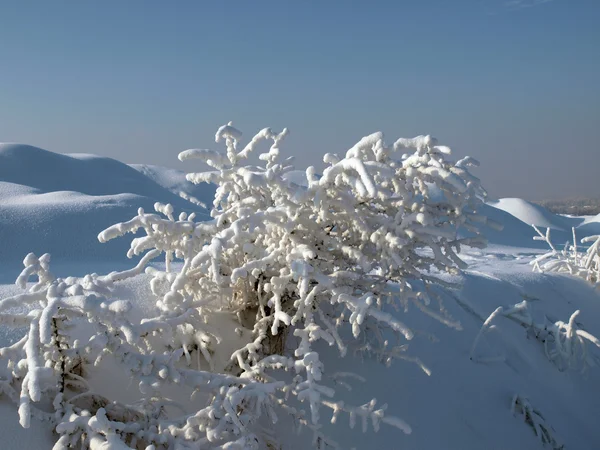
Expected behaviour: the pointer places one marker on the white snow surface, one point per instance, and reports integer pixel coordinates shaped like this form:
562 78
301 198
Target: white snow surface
561 226
465 404
536 215
592 219
174 180
590 225
58 203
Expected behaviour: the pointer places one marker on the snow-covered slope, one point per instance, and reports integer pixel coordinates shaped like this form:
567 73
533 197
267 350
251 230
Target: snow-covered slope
517 216
514 232
47 171
536 215
174 180
463 404
477 395
590 226
58 203
466 404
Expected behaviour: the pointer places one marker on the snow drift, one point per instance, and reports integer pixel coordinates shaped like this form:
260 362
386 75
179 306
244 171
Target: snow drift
536 215
58 203
174 180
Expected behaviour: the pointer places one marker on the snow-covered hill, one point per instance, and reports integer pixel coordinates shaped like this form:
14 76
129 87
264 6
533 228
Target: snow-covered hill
466 404
536 215
517 216
57 203
174 180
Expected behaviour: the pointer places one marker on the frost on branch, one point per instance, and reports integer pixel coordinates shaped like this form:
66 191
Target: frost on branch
583 264
334 262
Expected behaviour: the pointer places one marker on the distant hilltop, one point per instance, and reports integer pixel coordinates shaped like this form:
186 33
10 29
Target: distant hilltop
577 206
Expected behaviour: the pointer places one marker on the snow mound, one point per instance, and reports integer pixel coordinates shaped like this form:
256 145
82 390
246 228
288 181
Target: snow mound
88 174
514 232
536 215
58 203
174 180
517 216
468 402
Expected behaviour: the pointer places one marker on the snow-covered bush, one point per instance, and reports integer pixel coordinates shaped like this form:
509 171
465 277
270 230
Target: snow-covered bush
583 264
290 265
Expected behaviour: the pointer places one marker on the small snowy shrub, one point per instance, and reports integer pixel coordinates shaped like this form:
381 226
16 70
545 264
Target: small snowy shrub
570 259
565 344
333 262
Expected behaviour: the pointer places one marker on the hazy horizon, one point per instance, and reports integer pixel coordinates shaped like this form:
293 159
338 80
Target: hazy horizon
511 83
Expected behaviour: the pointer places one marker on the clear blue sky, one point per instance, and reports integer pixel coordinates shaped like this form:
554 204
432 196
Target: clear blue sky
515 84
